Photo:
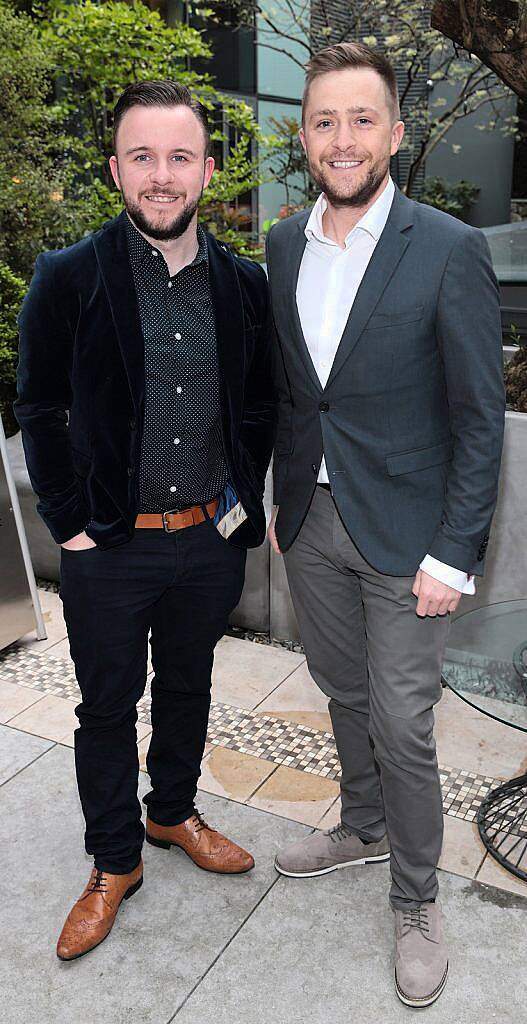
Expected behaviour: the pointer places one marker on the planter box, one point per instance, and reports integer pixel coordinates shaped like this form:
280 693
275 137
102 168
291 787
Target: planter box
266 605
253 609
506 562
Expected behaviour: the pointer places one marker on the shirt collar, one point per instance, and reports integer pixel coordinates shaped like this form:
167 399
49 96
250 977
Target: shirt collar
140 249
373 221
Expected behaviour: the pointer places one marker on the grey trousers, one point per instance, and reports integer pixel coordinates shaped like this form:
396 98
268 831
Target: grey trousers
380 665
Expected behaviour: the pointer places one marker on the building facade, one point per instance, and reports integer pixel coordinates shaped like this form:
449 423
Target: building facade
263 65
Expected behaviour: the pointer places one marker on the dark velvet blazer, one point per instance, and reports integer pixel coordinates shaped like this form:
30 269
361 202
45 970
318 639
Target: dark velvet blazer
81 385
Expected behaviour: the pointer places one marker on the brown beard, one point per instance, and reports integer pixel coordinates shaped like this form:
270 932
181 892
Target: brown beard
174 229
363 193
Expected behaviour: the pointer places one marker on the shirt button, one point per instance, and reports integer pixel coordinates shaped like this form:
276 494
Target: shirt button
179 389
177 336
154 252
324 406
170 284
173 488
176 440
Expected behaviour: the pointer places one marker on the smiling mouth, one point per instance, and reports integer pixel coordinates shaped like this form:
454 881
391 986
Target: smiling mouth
161 199
345 164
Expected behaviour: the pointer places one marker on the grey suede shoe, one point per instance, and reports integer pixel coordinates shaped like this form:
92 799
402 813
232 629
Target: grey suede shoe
322 852
421 964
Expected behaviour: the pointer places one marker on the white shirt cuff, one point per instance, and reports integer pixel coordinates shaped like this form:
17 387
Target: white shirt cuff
447 574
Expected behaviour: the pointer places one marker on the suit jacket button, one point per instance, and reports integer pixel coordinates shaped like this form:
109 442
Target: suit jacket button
133 424
130 470
324 406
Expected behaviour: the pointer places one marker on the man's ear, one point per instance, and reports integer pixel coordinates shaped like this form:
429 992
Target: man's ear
397 137
209 171
302 137
114 168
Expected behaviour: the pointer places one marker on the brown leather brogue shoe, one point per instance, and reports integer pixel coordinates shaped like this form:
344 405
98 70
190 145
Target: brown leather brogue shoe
91 918
203 844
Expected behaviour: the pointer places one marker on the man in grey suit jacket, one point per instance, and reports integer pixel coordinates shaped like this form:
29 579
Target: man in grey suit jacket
389 369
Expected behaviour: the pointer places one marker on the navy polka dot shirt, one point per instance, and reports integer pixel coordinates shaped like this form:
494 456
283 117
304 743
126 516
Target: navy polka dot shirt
182 460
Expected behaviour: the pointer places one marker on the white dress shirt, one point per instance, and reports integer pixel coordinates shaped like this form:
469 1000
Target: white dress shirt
328 282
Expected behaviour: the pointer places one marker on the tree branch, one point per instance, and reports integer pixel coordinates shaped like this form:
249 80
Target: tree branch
495 32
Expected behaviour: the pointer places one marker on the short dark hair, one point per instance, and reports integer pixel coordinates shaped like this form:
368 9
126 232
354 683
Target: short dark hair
352 55
165 93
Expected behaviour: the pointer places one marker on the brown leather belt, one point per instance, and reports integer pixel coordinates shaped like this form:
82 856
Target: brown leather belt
171 521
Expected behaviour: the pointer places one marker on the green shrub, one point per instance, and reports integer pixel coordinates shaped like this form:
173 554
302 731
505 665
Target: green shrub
516 374
31 178
12 291
454 197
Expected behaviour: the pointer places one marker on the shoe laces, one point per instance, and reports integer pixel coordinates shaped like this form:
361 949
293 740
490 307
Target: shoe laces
417 917
99 883
338 832
200 821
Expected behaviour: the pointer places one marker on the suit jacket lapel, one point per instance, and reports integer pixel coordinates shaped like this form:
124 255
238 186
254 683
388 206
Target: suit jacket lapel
289 283
388 252
111 249
230 337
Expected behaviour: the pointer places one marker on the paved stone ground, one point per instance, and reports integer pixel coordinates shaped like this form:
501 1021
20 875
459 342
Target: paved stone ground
194 948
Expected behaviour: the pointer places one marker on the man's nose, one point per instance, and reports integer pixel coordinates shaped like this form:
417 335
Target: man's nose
162 174
344 137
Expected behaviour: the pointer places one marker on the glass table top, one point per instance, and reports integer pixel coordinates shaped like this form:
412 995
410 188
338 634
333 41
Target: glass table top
508 247
486 661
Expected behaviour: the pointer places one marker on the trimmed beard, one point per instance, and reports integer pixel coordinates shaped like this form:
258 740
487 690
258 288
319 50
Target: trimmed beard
363 194
170 231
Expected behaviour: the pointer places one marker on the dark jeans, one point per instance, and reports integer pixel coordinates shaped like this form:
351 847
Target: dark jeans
182 586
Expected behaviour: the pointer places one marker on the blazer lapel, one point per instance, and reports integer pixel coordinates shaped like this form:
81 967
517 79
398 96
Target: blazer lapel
230 332
111 249
288 280
388 252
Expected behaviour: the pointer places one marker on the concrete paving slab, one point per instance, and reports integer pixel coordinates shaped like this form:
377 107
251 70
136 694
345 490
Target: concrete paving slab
466 738
245 673
52 717
320 951
164 939
17 750
492 873
15 698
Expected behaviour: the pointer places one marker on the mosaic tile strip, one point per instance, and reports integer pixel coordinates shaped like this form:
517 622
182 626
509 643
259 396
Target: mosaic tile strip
272 739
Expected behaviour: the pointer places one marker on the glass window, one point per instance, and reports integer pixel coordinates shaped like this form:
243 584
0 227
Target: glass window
233 64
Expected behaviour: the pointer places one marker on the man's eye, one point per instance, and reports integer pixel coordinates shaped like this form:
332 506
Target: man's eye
142 157
323 124
179 157
364 120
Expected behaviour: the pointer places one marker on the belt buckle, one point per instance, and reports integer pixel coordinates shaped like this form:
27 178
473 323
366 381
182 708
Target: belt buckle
171 512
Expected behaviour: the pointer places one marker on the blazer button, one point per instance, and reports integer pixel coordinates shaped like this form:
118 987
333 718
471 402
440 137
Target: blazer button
130 470
133 424
324 406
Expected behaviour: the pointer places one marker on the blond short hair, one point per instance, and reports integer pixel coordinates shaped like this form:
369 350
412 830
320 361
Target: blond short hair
352 55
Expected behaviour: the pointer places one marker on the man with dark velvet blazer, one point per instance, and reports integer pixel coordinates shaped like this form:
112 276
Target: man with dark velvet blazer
147 415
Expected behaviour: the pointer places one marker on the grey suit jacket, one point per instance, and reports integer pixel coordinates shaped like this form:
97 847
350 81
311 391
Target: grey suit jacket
411 418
